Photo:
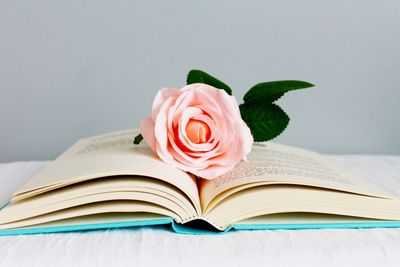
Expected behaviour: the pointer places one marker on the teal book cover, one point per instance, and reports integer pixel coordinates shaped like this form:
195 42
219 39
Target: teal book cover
170 225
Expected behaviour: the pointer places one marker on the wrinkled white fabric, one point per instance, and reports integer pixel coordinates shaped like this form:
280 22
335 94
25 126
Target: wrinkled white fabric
161 247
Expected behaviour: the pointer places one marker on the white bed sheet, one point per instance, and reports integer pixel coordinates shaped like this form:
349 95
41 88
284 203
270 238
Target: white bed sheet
156 247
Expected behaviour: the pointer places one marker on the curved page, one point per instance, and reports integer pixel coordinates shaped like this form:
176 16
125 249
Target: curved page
271 163
107 155
272 199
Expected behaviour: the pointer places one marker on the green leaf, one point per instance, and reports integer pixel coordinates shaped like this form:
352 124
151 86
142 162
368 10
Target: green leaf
266 121
138 139
198 76
269 92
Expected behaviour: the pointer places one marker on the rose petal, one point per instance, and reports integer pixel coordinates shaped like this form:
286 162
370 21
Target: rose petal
198 129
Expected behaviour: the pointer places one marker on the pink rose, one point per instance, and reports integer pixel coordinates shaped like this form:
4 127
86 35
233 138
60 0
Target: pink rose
198 129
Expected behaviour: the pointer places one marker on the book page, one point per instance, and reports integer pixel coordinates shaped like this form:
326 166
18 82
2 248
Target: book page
78 214
106 155
281 199
271 163
106 189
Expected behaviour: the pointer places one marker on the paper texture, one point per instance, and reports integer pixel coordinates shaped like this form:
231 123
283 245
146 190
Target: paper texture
278 164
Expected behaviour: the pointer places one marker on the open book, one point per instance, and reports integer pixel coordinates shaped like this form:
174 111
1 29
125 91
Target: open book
106 181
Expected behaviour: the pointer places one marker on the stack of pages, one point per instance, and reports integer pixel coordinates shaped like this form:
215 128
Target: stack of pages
107 182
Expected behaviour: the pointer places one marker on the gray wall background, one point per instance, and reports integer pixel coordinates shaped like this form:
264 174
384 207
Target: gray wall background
70 69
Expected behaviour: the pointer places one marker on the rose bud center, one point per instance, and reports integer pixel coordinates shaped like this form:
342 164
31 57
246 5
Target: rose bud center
197 131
